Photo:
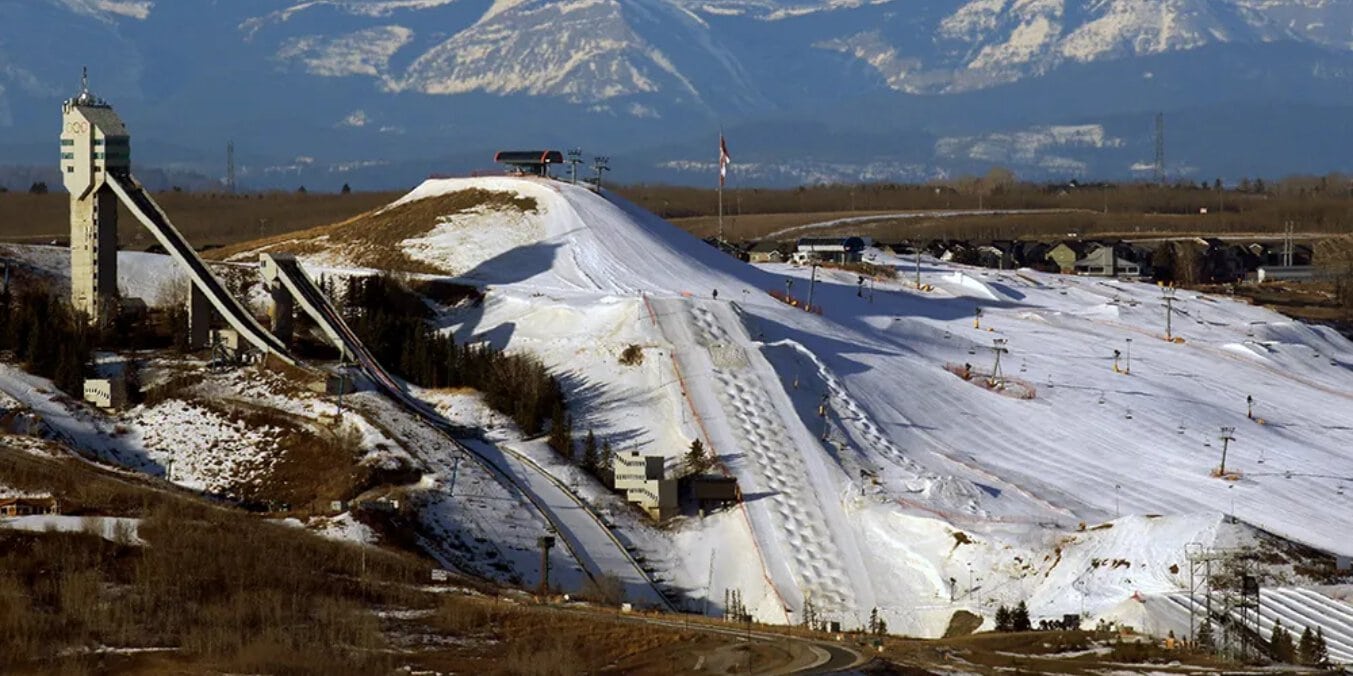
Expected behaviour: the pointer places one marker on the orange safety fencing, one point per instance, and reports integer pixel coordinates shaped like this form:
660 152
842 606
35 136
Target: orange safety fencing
794 302
709 444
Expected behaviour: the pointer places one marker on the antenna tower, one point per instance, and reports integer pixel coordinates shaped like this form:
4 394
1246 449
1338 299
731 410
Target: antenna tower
230 167
1160 148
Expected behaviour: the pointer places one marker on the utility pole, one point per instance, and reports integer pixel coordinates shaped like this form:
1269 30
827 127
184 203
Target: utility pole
600 164
1160 149
546 542
1169 299
709 583
230 167
1227 434
1287 244
812 282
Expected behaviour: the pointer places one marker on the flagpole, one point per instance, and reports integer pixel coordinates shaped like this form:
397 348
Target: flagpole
721 170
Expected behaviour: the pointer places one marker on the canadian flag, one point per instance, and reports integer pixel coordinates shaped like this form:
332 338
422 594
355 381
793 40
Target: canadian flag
724 160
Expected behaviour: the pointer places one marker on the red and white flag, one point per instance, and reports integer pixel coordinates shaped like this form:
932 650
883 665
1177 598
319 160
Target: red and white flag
724 160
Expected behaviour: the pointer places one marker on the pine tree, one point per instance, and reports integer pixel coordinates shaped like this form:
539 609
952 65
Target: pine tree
873 625
607 455
561 438
1019 618
1206 643
696 460
1280 644
589 460
1003 619
1306 648
1322 651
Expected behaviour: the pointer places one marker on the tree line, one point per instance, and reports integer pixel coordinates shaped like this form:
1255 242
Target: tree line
391 321
46 335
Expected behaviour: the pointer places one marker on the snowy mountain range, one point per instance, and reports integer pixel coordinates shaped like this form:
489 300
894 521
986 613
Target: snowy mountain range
418 84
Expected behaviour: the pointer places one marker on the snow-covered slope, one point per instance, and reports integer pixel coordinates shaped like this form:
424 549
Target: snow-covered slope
874 476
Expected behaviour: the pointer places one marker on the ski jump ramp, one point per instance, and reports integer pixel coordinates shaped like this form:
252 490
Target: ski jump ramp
582 531
144 208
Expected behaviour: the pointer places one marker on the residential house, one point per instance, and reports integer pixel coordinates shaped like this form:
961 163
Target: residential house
1104 261
765 252
1064 255
28 506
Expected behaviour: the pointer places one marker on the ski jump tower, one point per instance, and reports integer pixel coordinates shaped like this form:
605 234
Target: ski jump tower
94 142
96 168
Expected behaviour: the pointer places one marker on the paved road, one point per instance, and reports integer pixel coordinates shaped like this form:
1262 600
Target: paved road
815 656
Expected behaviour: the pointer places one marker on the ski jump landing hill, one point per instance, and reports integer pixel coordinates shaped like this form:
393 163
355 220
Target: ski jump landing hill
873 476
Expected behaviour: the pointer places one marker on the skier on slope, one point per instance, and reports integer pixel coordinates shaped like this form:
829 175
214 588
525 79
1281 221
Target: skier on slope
716 294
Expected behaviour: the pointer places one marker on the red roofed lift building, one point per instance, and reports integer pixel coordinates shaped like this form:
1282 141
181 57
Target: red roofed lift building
529 162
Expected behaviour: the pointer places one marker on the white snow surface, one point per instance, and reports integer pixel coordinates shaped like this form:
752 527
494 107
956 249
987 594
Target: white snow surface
873 476
913 454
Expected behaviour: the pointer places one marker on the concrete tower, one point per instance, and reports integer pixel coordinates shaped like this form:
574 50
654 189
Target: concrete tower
93 143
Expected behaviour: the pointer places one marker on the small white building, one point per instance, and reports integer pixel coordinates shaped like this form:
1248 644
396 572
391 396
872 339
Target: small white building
641 478
109 394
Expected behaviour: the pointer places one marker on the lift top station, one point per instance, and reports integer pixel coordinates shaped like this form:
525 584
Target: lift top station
94 143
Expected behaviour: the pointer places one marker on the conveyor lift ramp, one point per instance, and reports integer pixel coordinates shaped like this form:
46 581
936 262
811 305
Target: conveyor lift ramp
144 208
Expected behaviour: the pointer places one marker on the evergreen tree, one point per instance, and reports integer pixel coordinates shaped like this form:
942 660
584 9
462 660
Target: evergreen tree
1206 642
347 189
1003 619
1019 618
568 437
607 455
696 459
1280 644
1306 648
873 625
1322 651
589 461
559 439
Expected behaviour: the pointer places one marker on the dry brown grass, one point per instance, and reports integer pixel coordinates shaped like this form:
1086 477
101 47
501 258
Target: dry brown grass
217 586
371 239
206 219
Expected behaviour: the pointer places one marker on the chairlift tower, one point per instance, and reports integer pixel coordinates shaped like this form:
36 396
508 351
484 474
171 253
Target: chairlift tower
998 348
1227 435
575 158
94 142
601 164
1168 298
